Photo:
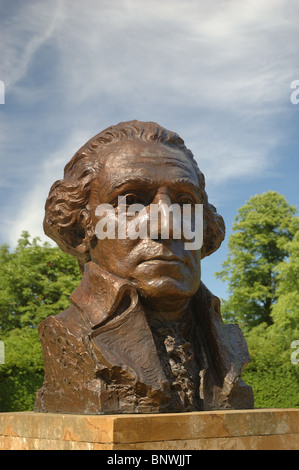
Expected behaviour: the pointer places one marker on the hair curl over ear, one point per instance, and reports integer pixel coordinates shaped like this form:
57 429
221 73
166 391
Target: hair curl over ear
67 220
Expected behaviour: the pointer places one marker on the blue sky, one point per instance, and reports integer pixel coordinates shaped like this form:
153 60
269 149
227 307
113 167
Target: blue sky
218 73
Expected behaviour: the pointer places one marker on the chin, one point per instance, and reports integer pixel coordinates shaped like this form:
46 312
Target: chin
165 288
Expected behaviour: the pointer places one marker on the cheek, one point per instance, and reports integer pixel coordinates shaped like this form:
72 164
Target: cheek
194 268
113 255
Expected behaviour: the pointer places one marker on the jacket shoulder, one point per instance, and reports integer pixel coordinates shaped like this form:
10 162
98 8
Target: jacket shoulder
69 320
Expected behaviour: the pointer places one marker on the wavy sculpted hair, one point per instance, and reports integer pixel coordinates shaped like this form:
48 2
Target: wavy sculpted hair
67 220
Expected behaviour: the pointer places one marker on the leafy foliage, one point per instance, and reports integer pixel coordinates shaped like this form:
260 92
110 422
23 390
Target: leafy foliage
259 243
36 281
285 312
262 270
271 373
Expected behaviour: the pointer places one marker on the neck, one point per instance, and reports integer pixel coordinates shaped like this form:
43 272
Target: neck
159 312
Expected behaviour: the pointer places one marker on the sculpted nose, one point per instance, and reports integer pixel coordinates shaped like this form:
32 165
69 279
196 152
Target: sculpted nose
162 197
161 219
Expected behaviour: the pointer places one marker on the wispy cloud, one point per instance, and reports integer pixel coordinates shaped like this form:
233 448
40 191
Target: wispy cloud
216 72
23 32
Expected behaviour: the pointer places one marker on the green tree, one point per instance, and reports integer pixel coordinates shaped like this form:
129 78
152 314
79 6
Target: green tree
273 372
257 246
285 312
36 281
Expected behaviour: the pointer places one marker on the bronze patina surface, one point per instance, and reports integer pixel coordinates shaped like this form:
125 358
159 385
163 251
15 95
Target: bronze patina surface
142 334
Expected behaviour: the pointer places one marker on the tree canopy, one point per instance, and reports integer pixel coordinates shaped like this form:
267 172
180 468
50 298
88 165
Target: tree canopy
36 281
258 245
262 270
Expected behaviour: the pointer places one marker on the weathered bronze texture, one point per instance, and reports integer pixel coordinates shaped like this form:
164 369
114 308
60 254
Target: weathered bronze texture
142 334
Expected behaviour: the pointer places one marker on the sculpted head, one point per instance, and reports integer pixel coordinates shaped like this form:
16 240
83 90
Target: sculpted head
149 165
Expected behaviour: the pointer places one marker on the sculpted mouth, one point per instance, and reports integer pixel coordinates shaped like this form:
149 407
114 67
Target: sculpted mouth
158 253
165 258
162 258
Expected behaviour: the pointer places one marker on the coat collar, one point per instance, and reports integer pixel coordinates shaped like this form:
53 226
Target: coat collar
119 327
100 294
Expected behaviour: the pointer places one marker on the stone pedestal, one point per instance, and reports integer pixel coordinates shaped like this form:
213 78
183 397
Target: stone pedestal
262 429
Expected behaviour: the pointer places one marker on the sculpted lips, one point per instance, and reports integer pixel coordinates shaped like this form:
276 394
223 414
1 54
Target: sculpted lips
160 256
164 258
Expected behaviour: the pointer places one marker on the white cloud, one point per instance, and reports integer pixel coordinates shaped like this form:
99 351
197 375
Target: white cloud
26 30
216 72
30 211
198 52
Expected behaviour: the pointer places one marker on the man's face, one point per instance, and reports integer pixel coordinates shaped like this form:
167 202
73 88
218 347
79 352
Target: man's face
148 173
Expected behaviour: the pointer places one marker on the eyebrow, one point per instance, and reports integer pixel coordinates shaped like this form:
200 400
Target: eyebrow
150 182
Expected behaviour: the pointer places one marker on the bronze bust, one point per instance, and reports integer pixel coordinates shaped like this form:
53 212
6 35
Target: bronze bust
142 334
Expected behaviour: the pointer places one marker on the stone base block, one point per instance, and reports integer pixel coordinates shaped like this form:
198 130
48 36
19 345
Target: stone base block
261 429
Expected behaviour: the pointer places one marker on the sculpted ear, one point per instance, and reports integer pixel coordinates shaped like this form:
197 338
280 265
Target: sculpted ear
213 230
85 235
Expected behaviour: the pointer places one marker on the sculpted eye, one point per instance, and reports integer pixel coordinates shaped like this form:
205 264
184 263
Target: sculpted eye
184 199
130 198
133 199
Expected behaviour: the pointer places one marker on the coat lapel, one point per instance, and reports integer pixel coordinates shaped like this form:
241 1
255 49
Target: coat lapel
120 332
